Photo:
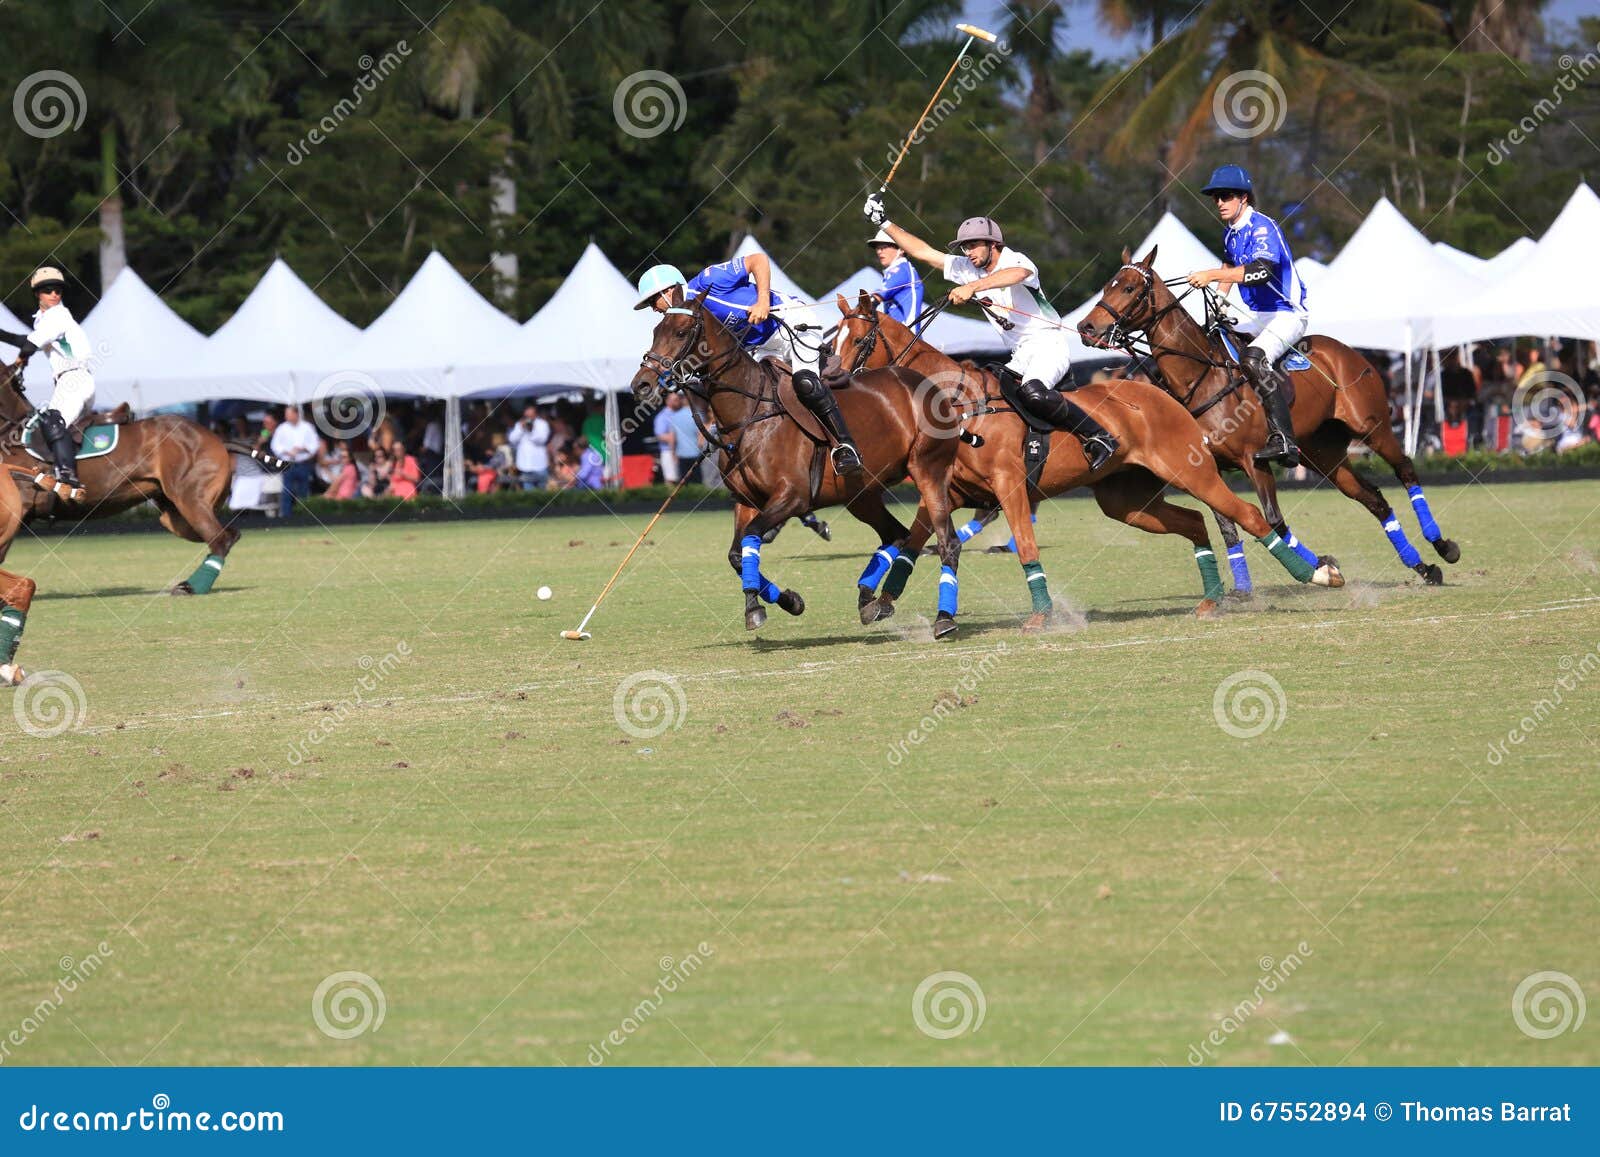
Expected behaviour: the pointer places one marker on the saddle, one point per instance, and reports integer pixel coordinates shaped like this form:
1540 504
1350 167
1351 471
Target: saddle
1293 361
1035 434
782 376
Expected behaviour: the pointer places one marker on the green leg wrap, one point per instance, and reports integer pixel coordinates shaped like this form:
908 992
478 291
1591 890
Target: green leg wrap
206 574
11 621
1037 587
1286 554
899 574
1210 577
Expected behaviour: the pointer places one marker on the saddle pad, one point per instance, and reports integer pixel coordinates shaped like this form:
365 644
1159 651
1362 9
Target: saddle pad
1294 360
97 440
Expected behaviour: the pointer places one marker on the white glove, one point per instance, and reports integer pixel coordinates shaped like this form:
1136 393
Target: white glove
874 211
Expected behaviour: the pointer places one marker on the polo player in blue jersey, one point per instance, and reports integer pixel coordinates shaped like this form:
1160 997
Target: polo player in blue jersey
901 291
1260 264
739 294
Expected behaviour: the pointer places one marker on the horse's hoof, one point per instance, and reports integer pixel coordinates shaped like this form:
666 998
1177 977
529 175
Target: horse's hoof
792 602
1208 609
944 626
1242 594
1431 575
11 674
754 618
1448 550
871 611
182 588
1327 575
824 531
1035 622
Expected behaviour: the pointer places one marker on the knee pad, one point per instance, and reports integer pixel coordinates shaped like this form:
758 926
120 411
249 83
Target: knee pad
53 424
808 386
1035 394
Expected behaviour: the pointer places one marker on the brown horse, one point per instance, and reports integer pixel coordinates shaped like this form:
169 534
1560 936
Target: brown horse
1339 398
777 469
1160 445
16 592
182 467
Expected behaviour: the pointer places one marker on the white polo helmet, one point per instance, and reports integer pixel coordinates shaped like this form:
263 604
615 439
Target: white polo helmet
882 238
45 277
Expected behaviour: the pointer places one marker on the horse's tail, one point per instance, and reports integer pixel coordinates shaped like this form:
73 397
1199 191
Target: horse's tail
270 461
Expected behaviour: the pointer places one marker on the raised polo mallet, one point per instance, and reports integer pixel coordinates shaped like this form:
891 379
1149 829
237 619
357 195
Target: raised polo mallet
973 33
580 634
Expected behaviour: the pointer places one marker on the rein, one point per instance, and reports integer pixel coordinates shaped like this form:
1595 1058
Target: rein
1128 335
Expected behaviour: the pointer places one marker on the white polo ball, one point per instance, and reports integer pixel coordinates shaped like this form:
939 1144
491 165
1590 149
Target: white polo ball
544 593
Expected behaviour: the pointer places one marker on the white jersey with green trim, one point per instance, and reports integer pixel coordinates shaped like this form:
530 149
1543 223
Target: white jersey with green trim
1034 318
58 334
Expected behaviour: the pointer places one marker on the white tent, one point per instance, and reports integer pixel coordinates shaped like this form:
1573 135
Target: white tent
135 336
866 278
1461 258
1552 290
38 370
438 339
588 334
1509 258
1361 305
1310 270
950 332
267 351
1178 251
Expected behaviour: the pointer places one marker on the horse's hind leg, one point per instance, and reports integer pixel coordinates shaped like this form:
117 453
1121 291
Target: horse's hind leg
1203 482
929 467
868 507
1325 452
1134 497
1384 444
904 561
191 513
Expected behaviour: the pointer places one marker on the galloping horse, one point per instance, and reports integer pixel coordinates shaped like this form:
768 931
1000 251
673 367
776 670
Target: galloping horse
1160 445
1337 399
775 465
182 467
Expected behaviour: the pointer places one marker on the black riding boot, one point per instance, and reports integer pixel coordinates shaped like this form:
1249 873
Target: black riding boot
820 401
1280 445
1064 414
54 428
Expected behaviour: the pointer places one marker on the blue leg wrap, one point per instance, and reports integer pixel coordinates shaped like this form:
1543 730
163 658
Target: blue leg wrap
1301 548
750 561
769 590
1241 568
948 590
1397 538
1419 503
878 566
967 531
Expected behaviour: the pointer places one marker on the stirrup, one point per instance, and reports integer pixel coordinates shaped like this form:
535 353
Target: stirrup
846 460
1278 449
1099 448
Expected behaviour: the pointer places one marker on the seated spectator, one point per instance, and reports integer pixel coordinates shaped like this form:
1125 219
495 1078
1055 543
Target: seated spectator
564 470
377 483
1571 435
405 476
590 474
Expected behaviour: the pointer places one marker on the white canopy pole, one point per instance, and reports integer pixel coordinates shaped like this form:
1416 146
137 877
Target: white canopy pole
613 438
455 471
1410 442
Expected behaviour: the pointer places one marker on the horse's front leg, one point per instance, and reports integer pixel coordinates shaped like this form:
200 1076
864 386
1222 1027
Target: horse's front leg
758 588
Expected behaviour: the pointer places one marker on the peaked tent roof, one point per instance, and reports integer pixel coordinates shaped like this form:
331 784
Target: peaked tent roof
1178 251
780 280
136 336
950 332
1549 292
1510 257
1462 259
38 370
267 351
1396 313
1310 270
437 338
588 334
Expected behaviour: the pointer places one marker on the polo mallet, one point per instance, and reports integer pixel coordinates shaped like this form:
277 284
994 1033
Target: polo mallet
580 634
973 33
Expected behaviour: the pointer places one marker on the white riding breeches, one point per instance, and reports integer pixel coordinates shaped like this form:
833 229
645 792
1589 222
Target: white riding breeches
802 353
74 391
1274 334
1046 358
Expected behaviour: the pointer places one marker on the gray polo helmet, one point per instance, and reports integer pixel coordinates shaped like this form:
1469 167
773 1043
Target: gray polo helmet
977 229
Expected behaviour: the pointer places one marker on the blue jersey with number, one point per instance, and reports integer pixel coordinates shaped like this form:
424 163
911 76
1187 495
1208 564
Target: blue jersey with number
902 292
728 291
1256 237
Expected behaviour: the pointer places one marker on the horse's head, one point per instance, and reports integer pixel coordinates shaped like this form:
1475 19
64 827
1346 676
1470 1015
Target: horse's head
867 337
1127 304
679 348
13 407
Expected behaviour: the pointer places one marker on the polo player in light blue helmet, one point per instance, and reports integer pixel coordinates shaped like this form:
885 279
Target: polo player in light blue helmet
1260 264
739 294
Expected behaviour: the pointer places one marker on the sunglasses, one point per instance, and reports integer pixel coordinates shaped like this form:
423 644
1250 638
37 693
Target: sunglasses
1224 198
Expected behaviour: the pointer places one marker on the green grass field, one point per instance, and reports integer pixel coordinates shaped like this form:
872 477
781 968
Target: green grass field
236 818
